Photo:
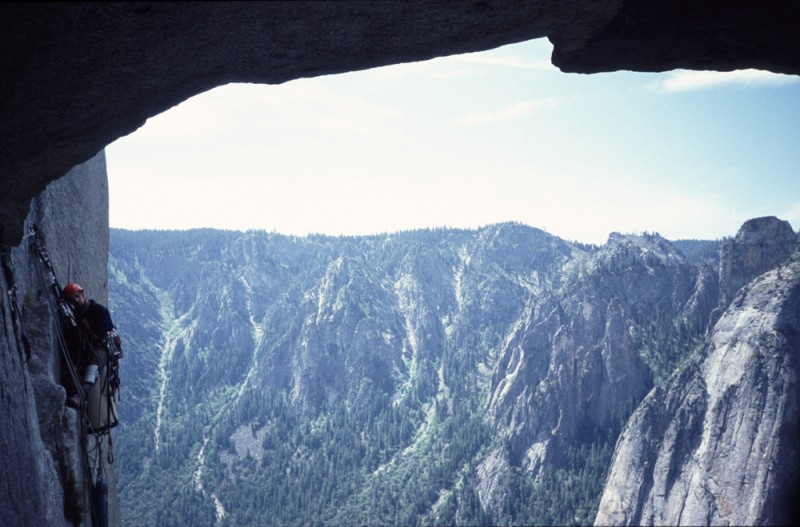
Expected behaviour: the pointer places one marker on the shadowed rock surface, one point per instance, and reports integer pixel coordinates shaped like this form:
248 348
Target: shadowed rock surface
75 76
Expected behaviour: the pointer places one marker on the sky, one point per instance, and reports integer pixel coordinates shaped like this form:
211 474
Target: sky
467 141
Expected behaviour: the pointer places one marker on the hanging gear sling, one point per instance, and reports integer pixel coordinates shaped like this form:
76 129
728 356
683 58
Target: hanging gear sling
104 392
98 406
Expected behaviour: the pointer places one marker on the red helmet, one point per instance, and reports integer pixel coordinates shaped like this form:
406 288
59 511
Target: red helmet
71 289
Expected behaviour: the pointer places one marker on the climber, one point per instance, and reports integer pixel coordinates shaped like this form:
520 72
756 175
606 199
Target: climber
95 321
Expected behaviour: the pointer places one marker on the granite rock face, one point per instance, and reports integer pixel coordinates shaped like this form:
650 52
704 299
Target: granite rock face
76 76
759 246
581 360
718 443
40 440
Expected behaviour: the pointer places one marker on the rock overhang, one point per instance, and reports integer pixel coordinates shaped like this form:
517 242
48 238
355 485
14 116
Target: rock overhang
77 76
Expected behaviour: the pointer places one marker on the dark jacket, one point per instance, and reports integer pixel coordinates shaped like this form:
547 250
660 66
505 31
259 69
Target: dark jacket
97 320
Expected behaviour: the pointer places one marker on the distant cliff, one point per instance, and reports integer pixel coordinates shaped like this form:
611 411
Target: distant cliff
760 245
435 377
44 476
718 443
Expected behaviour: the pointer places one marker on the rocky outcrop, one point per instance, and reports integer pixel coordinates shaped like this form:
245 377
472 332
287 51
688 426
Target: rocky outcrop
44 472
760 245
584 361
75 76
718 443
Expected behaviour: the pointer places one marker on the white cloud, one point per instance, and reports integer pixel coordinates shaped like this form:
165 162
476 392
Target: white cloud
472 64
504 61
512 111
695 80
258 156
425 70
247 113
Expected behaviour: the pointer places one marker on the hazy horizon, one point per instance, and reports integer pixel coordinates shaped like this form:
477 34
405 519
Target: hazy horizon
470 141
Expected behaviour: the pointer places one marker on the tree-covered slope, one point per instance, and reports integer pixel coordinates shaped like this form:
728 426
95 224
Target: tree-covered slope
431 377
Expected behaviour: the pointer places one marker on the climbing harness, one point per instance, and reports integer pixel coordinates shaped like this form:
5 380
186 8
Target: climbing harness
105 391
97 407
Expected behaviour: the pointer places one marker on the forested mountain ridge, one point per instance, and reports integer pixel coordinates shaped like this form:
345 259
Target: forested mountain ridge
427 377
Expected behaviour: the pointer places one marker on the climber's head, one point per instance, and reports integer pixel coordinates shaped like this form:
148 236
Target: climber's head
73 293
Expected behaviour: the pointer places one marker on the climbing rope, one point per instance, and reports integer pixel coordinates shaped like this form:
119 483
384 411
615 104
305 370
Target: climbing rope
48 281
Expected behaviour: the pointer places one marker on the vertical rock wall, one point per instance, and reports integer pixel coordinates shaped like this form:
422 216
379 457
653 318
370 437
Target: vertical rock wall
760 245
717 444
41 450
